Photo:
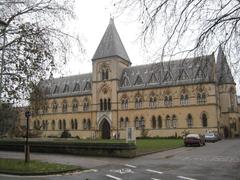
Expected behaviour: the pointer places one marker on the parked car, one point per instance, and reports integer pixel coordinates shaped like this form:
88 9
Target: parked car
194 139
211 137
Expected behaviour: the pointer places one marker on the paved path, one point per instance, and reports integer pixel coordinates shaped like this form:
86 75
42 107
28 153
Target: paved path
216 161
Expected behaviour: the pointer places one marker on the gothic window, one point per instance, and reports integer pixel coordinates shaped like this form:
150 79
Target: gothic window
84 124
87 86
76 124
200 74
89 124
64 124
64 106
53 124
201 97
72 124
183 75
153 102
138 102
184 99
168 121
142 122
204 120
125 82
124 103
85 104
43 124
174 121
137 123
159 122
121 122
75 105
154 122
54 107
60 124
47 90
66 88
168 100
167 77
232 99
105 105
105 73
45 109
138 81
126 122
56 89
109 104
76 87
189 121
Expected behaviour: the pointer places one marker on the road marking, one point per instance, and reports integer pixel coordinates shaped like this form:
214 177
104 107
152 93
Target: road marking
122 171
155 179
113 177
183 177
150 170
129 165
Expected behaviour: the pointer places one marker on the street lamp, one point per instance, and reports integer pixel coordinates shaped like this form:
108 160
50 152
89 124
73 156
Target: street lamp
3 26
27 150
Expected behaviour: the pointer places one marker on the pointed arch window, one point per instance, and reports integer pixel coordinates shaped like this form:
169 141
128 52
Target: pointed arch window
167 77
75 105
76 87
152 79
184 99
153 101
64 124
121 122
124 103
154 122
54 107
201 98
101 105
138 81
66 88
137 125
60 124
168 100
87 86
53 124
85 104
126 122
189 121
56 89
168 121
138 102
159 122
109 104
174 121
204 120
125 82
64 106
183 75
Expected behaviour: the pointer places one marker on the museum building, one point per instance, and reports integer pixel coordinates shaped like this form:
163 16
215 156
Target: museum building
160 99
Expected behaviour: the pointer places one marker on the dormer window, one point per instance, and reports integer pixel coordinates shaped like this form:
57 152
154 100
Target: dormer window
66 88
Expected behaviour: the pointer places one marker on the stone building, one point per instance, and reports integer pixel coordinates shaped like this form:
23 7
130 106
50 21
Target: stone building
162 99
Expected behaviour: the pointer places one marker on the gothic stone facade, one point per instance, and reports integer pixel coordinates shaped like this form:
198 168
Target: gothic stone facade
163 99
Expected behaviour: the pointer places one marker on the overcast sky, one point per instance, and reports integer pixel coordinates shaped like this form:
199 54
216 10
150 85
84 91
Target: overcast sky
92 20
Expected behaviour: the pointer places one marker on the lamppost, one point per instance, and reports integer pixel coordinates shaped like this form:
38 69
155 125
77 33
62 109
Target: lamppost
27 150
3 26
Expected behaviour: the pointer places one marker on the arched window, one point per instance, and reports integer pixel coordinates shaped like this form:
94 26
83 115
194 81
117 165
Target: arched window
88 124
54 107
154 122
184 99
189 121
201 98
168 100
232 99
76 124
109 104
142 122
174 121
105 74
152 102
43 125
159 122
60 124
84 124
64 106
121 122
64 124
72 124
85 104
75 105
101 105
204 120
105 104
136 123
168 123
126 122
124 103
138 102
53 124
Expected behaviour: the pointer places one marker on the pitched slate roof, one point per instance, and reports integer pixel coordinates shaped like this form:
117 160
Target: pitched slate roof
224 75
68 86
172 73
111 44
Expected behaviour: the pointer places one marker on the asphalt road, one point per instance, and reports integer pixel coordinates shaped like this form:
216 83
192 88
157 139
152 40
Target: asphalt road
215 161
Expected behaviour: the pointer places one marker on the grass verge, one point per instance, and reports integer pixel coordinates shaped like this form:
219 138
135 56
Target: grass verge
19 167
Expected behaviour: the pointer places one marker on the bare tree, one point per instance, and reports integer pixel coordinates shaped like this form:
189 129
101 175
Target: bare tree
35 42
187 26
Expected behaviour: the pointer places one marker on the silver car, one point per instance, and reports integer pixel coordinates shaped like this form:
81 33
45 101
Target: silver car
211 137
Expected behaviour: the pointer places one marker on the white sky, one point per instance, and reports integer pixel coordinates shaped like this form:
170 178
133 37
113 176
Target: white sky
92 20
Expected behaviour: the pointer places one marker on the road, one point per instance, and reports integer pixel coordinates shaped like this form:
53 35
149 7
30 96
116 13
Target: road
215 161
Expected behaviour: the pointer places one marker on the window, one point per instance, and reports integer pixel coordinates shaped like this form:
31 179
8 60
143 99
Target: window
184 99
104 74
76 124
126 122
153 122
56 90
66 88
45 109
54 107
76 87
168 101
109 104
125 82
64 124
53 124
138 102
75 105
174 121
159 122
101 105
153 102
201 98
204 120
87 86
64 106
105 104
85 104
137 123
89 124
86 124
121 122
124 103
60 124
72 124
189 121
168 123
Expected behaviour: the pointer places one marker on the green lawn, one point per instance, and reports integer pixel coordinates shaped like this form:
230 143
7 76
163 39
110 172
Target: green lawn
32 167
151 145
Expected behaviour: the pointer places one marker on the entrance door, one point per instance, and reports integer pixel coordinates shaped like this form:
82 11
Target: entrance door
105 129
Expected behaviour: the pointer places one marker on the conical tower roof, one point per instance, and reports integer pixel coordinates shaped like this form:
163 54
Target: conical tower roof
224 75
111 44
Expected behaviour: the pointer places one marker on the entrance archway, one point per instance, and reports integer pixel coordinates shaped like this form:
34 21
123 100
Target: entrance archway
105 128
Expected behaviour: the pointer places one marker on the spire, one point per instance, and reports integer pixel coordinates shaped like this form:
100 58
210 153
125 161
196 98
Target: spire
111 44
224 75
